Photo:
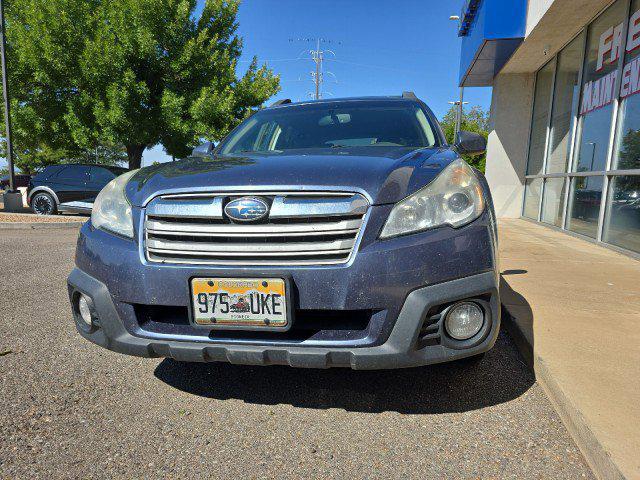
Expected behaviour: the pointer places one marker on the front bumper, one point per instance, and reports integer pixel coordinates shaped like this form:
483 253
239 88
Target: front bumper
399 286
403 347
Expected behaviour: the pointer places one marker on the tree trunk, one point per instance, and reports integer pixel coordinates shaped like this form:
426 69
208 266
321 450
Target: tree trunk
134 154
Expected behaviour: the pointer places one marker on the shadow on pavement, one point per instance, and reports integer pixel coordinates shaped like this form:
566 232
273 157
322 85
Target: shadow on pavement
453 387
517 317
517 271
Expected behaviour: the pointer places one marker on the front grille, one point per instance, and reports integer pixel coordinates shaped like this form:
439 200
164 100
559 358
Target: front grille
301 229
321 325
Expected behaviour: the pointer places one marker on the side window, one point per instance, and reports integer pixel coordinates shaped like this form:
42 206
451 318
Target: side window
101 175
267 137
244 138
48 172
74 173
426 127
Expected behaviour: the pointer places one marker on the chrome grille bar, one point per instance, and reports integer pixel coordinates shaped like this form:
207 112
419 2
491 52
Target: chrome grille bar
301 229
274 248
171 228
287 207
194 208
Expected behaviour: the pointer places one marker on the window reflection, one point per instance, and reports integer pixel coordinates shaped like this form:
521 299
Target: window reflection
622 227
540 119
532 198
553 201
565 105
584 205
628 148
627 151
598 88
592 156
593 102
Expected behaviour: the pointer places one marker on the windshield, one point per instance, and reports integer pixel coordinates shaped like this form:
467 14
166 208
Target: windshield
117 170
332 125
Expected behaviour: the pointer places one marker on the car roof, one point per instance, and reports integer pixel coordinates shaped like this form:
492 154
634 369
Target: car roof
108 167
373 99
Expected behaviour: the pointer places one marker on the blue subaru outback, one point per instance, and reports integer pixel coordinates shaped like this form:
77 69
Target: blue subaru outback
333 233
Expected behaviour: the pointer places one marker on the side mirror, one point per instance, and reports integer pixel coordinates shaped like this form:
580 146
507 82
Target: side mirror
203 150
468 143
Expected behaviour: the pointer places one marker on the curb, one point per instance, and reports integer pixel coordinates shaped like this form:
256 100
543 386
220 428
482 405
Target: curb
597 457
38 225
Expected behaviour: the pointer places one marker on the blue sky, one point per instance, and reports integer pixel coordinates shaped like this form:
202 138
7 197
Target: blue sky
382 47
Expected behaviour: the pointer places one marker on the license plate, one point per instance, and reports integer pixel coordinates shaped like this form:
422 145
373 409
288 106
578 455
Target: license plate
259 303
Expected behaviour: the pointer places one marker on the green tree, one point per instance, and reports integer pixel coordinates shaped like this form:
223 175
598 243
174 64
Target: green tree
474 120
630 153
629 158
91 75
31 158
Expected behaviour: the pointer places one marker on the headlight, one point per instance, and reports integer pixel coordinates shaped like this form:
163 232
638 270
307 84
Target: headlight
111 210
453 198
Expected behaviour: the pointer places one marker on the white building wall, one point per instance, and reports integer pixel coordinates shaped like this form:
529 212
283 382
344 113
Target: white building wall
508 141
535 11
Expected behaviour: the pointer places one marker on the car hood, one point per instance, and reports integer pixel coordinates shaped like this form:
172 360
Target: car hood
385 175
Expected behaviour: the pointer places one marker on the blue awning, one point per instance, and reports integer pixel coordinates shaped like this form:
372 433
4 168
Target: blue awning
491 30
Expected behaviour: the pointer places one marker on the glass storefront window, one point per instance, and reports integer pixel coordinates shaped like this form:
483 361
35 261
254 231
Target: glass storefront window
532 198
553 201
540 120
584 205
604 45
627 149
565 105
567 199
622 226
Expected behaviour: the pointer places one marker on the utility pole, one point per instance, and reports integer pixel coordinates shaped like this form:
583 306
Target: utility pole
5 92
459 112
460 109
318 57
460 103
12 199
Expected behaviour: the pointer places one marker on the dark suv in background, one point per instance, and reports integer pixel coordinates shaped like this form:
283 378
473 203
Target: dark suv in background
21 179
68 188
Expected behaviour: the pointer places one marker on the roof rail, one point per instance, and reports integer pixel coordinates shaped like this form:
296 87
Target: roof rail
283 101
409 95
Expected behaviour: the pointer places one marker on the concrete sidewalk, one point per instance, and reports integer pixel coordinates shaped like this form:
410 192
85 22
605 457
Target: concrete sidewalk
575 311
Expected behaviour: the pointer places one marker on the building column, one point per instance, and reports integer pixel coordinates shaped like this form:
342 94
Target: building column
510 116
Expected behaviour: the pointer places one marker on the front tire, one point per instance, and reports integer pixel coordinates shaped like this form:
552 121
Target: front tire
43 204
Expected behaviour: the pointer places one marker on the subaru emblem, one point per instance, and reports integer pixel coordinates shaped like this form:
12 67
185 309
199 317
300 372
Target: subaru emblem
246 209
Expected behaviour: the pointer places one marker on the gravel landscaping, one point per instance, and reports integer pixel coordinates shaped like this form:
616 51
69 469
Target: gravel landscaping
27 216
32 218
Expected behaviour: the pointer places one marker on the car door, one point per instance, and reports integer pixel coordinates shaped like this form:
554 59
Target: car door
98 179
71 183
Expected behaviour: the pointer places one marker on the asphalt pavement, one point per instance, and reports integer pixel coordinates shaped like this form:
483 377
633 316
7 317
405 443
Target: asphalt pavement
70 409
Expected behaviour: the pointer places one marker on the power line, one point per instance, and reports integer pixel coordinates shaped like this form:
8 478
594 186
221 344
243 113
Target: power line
318 56
274 60
368 65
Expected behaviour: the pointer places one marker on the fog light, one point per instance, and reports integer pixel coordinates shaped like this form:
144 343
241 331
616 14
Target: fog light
464 320
85 310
